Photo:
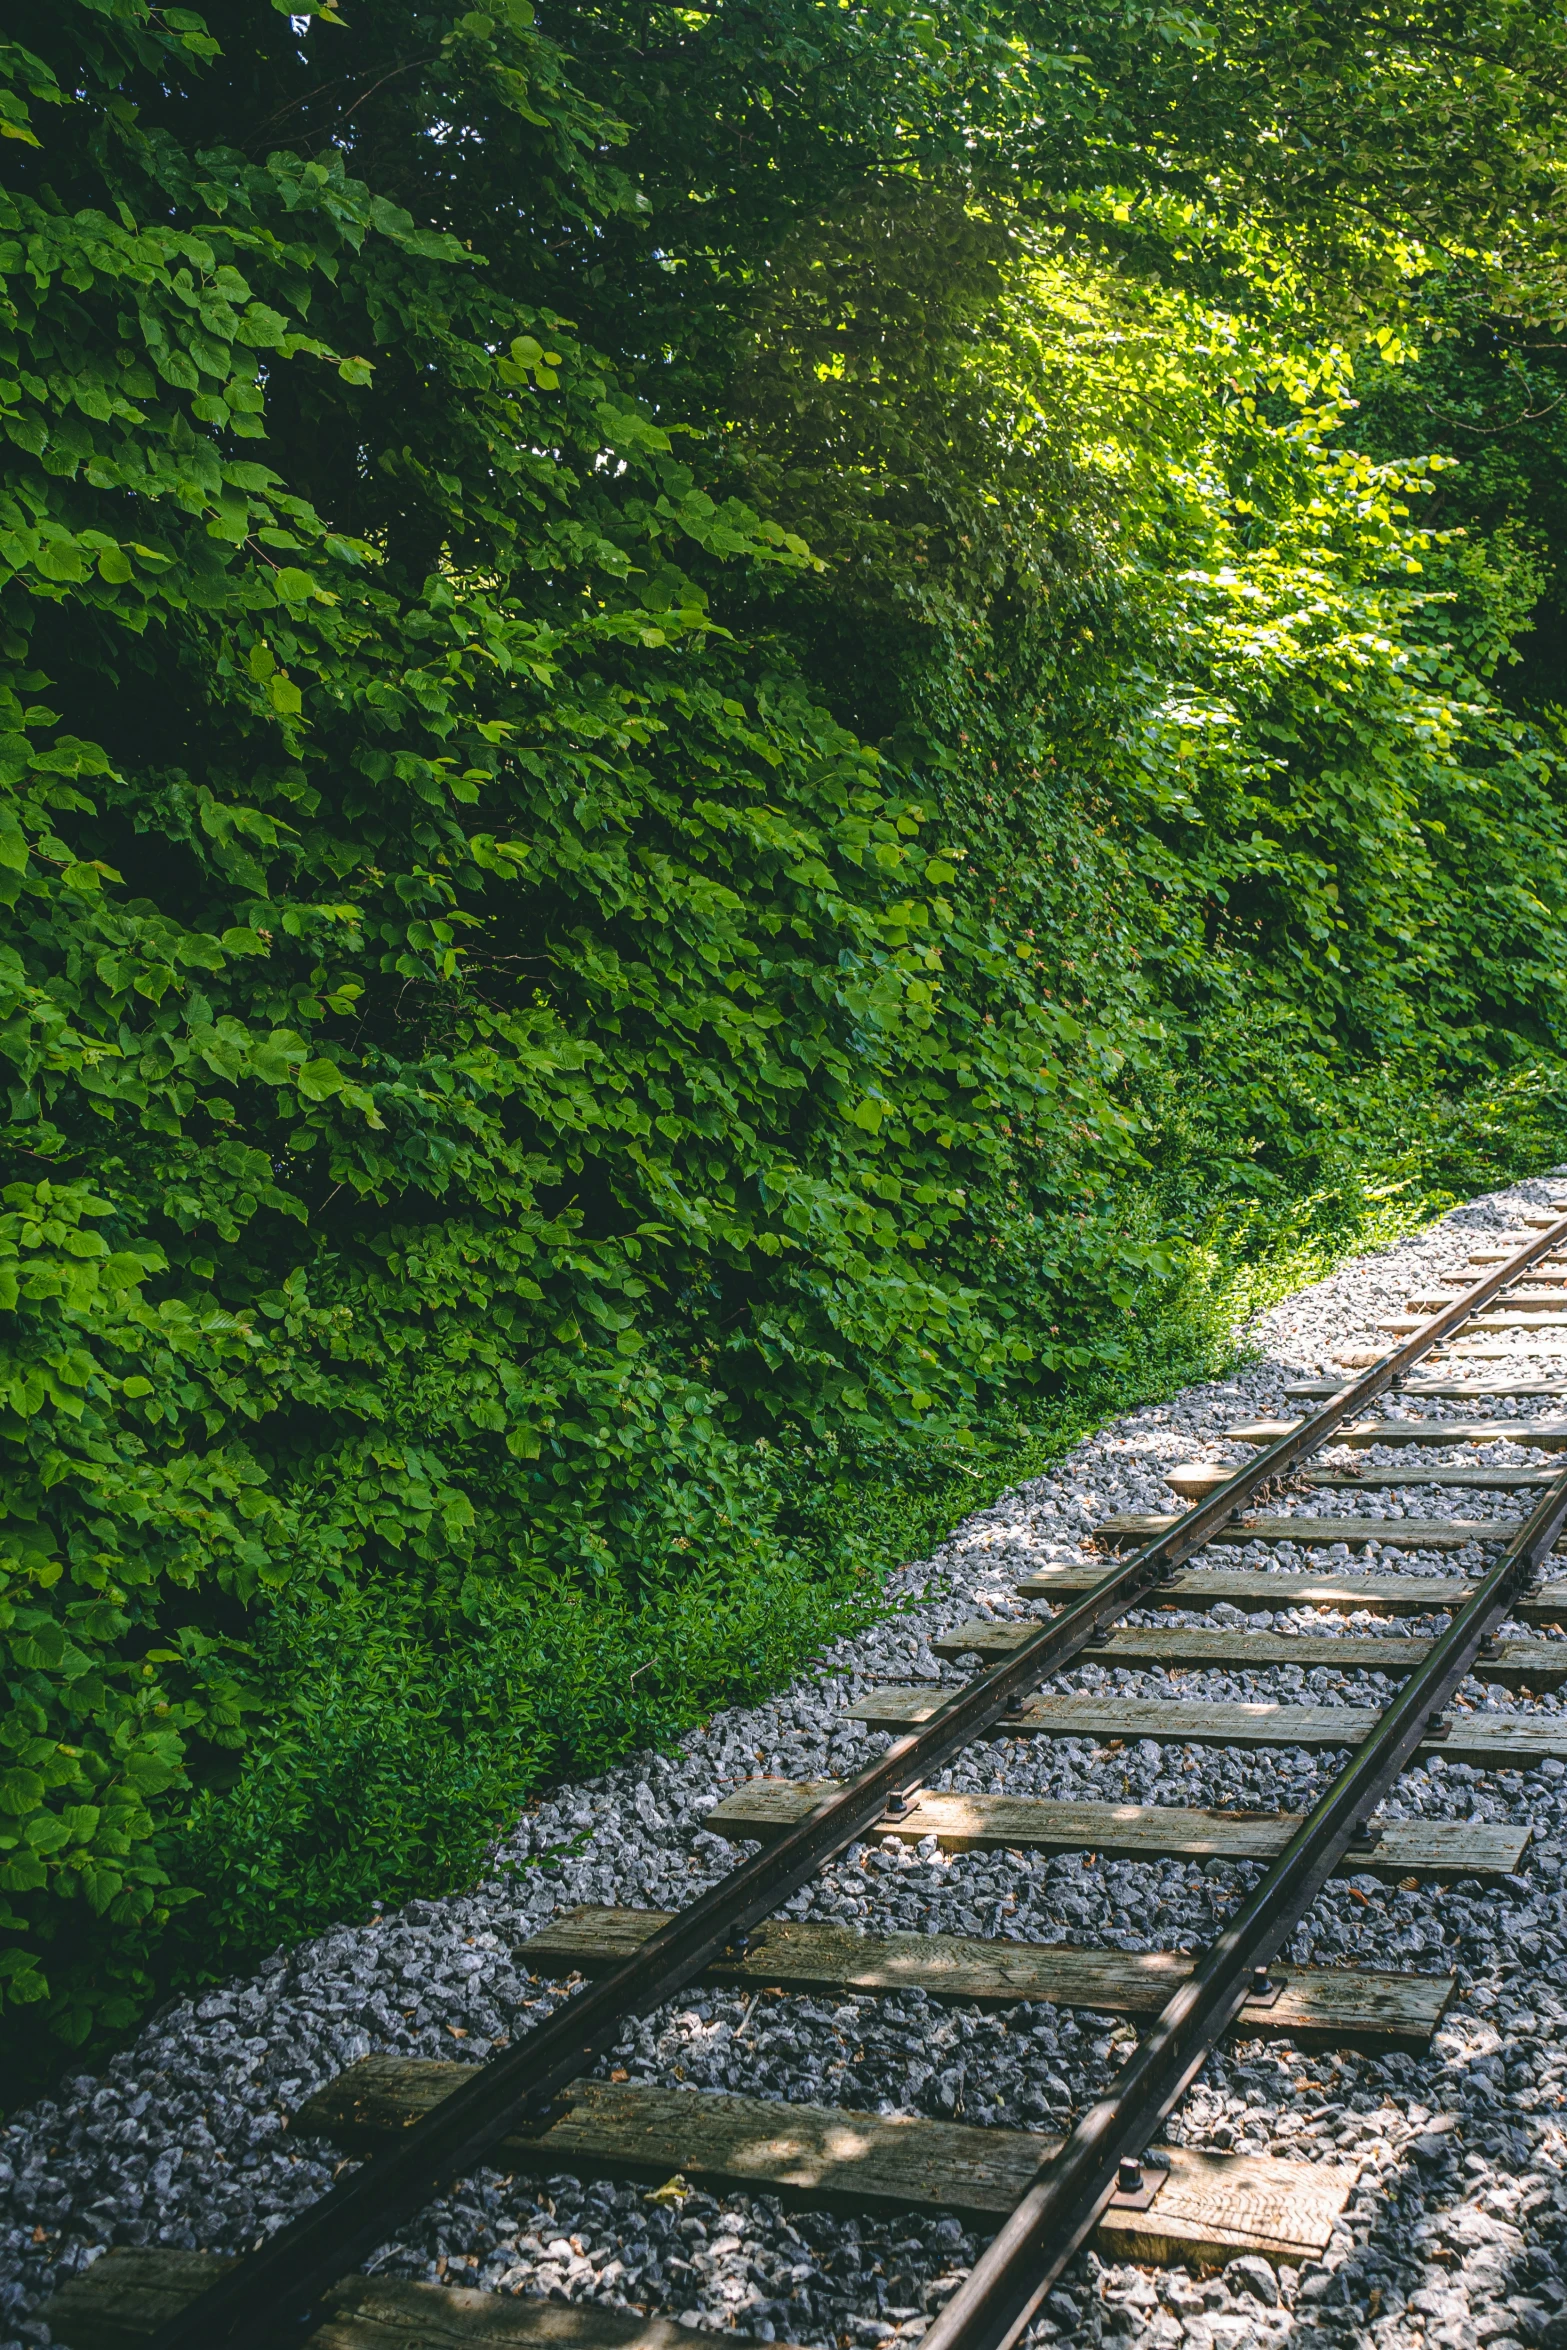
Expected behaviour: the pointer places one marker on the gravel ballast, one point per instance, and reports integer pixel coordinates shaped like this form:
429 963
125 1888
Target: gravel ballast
1456 2235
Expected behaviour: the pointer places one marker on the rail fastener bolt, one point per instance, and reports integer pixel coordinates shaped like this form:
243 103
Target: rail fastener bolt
1135 2186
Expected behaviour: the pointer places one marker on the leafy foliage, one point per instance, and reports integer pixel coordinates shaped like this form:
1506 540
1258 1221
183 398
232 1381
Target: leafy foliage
671 847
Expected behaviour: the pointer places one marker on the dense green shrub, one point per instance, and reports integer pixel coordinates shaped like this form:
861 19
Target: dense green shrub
625 937
478 1044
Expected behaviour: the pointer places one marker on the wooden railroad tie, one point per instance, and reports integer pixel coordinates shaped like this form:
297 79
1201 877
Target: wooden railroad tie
1195 1480
1132 1527
1516 1664
1547 1274
1529 1318
1371 1476
1541 1300
1531 1435
127 2294
1257 1592
1317 2007
1503 1350
1495 1741
1442 1850
1206 2209
1528 1383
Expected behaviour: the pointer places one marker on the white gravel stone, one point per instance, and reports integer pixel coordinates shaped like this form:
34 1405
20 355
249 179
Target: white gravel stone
1456 2237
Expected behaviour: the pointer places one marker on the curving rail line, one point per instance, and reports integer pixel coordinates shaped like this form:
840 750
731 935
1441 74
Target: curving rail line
275 2291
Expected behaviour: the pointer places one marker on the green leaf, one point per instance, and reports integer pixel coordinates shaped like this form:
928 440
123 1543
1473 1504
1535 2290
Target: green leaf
231 520
319 1080
22 1978
20 1790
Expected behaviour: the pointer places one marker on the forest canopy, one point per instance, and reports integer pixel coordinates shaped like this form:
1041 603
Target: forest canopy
737 743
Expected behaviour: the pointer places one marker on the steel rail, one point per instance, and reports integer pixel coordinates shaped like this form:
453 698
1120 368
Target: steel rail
278 2283
1003 2292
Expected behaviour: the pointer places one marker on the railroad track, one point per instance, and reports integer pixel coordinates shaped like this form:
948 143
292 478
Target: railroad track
425 2125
